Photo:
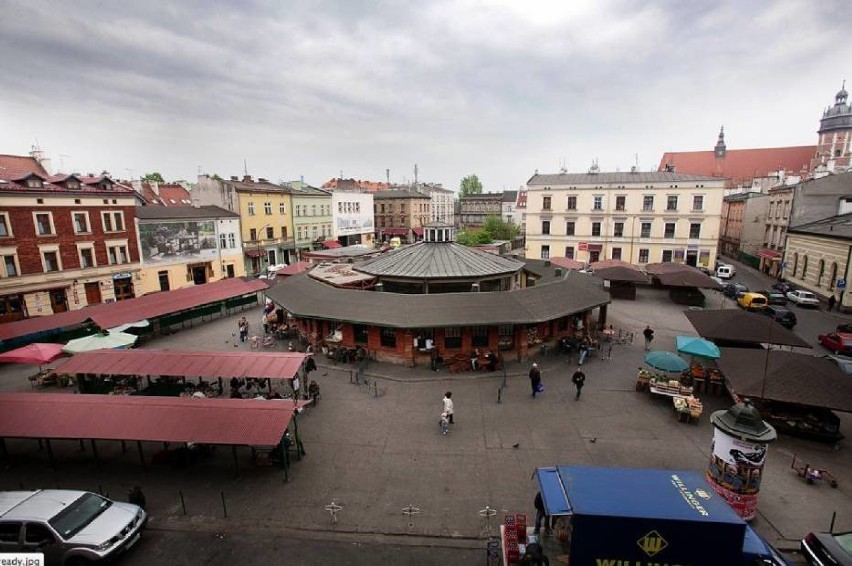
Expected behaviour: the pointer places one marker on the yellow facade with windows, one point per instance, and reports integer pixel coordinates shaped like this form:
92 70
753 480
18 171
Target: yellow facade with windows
817 258
637 217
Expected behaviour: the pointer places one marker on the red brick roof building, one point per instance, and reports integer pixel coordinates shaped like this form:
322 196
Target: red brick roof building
162 194
66 241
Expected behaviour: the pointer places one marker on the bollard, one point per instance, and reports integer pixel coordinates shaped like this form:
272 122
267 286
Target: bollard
224 507
182 502
351 377
499 395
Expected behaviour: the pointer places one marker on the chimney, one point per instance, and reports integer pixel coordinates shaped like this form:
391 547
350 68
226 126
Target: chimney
558 272
247 179
196 203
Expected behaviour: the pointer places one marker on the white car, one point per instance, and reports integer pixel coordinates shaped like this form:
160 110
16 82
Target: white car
725 271
803 298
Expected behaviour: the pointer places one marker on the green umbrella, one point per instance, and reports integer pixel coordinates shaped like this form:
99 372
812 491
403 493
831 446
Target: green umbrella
110 341
666 361
698 347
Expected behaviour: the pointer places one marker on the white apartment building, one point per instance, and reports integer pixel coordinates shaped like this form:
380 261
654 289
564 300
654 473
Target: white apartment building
637 217
352 217
442 203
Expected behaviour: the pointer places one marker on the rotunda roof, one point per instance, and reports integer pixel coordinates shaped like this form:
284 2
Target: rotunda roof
444 260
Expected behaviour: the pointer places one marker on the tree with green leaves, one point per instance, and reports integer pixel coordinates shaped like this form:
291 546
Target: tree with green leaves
499 229
470 185
155 176
478 238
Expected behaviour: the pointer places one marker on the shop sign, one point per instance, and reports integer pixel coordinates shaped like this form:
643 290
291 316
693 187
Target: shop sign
841 283
122 275
583 246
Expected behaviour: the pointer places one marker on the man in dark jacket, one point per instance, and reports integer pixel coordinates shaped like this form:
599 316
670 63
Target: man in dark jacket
535 378
579 379
541 514
649 337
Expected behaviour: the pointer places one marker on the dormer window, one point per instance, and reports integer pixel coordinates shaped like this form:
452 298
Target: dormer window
73 185
34 183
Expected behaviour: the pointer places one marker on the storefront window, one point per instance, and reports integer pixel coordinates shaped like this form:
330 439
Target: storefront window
452 338
389 337
507 336
479 336
362 333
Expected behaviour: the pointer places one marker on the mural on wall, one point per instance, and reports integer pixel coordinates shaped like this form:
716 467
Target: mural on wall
167 243
354 224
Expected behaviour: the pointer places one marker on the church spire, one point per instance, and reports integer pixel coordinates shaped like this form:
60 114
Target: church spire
720 148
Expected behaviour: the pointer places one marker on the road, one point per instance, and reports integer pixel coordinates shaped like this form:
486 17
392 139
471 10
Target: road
810 322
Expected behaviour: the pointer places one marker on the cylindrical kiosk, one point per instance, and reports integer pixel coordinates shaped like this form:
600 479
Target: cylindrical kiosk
740 441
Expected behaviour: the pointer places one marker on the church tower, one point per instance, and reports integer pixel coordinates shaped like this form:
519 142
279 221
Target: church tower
721 148
834 148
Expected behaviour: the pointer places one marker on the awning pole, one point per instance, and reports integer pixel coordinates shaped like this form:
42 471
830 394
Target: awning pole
95 452
236 461
141 454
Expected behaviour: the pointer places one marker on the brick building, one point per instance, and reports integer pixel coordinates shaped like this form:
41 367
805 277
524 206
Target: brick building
67 241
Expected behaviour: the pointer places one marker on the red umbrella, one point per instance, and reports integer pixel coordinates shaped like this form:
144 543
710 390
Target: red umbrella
36 353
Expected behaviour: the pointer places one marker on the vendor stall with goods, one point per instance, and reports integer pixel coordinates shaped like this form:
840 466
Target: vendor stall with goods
660 380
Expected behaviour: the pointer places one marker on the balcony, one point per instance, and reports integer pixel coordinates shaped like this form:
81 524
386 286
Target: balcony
283 242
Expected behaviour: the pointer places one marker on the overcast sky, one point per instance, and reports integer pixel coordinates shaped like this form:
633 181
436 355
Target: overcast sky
499 89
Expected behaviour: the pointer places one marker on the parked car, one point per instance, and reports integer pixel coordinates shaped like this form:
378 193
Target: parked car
837 342
784 317
752 301
774 296
725 271
828 548
783 287
68 526
803 298
719 280
732 290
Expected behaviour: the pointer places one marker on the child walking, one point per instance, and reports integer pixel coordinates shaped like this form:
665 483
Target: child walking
445 423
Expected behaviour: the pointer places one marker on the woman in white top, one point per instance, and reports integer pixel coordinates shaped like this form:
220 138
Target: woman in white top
448 405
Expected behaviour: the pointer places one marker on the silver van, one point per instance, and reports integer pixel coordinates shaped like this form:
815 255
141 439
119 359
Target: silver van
68 527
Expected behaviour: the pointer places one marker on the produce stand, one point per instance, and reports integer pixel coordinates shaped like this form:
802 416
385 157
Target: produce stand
706 378
687 408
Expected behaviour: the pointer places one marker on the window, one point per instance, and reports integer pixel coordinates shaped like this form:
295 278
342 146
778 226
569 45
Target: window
697 202
314 232
253 234
34 183
620 203
670 230
10 263
545 227
820 272
616 253
270 233
667 256
671 202
648 203
695 230
10 533
51 261
251 208
618 230
597 202
314 210
267 208
362 333
795 264
832 278
282 208
804 267
545 252
81 222
5 225
596 229
113 221
117 254
546 203
452 337
283 232
569 228
36 533
786 208
643 255
479 336
388 338
44 223
569 252
223 241
87 258
572 203
645 230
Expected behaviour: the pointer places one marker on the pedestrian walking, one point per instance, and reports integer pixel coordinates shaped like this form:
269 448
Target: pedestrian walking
444 422
541 515
535 380
242 325
831 302
579 379
448 406
296 388
649 337
264 320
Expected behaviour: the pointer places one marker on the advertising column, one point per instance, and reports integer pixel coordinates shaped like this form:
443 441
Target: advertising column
740 441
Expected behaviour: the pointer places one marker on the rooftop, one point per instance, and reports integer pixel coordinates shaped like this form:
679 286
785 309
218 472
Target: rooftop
438 260
625 178
834 227
740 163
401 193
16 166
183 212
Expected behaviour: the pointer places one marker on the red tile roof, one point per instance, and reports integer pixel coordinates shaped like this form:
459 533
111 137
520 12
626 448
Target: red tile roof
741 164
17 166
294 269
242 422
169 194
109 315
175 363
567 263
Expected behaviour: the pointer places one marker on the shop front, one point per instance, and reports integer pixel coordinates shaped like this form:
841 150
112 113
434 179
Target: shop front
123 286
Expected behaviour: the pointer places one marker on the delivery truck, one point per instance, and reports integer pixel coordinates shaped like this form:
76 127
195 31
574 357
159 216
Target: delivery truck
638 517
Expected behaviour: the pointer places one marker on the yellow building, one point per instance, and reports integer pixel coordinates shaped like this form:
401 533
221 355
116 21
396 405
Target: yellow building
266 217
816 258
637 217
186 245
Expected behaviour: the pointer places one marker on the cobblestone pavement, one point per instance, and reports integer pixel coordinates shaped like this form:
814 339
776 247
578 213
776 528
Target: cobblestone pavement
375 455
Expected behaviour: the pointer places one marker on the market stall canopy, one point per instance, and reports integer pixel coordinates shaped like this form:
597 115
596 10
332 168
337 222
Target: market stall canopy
688 277
176 363
37 353
330 244
294 269
786 377
621 273
109 341
668 267
130 325
567 263
666 361
607 263
242 422
737 325
698 347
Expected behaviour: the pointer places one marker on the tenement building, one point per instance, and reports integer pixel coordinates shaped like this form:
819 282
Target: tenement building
637 217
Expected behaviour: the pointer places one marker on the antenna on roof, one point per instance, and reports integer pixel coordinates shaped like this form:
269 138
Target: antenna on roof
563 166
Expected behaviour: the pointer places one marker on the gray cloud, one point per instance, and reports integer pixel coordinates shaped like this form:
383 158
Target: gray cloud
497 88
